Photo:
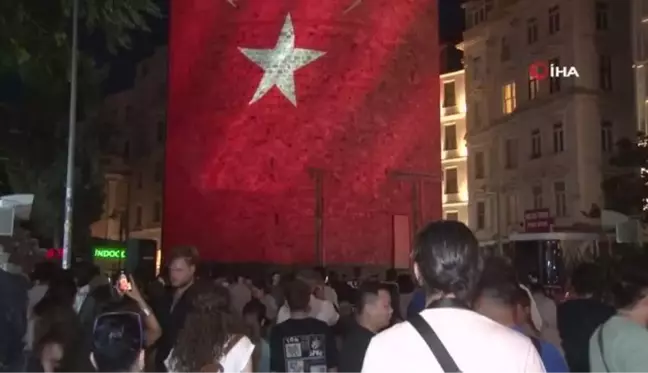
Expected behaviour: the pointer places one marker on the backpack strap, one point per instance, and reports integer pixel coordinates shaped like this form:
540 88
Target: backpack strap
434 343
599 336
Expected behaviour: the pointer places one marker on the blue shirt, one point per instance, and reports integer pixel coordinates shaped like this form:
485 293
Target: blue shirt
551 357
417 304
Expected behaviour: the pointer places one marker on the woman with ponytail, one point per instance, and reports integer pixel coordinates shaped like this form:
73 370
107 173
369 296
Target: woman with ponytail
212 338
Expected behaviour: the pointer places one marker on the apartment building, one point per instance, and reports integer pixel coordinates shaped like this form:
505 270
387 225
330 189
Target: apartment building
543 144
135 166
453 146
639 29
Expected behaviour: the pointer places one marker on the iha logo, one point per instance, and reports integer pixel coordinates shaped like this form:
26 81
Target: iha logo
542 70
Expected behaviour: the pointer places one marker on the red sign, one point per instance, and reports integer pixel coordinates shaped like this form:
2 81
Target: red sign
538 220
54 254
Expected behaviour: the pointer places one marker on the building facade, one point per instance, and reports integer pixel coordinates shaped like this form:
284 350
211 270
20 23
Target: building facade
639 22
135 165
454 153
543 144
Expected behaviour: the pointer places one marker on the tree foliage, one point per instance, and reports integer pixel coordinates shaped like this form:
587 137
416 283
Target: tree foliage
626 190
35 46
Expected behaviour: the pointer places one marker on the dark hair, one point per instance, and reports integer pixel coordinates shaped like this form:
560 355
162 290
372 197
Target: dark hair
84 272
499 283
260 284
587 278
116 342
209 326
632 283
368 292
405 284
188 253
45 272
298 295
60 293
256 308
449 259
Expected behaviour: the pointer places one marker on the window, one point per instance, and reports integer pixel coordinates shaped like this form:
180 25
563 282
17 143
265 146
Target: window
451 181
160 131
476 115
532 30
449 99
476 68
140 181
508 98
554 83
536 191
510 154
534 88
480 166
505 51
605 72
554 20
511 209
138 216
536 144
452 215
601 13
607 137
450 137
157 212
481 215
558 138
560 199
159 171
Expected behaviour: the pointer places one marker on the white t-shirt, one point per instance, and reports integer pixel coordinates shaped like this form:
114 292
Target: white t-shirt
319 309
476 343
234 362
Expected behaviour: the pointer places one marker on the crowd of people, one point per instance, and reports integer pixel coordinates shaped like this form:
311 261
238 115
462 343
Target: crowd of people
457 311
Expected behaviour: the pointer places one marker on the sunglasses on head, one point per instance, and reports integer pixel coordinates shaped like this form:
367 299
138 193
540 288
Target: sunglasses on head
117 323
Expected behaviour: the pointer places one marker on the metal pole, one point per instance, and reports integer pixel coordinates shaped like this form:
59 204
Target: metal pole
69 180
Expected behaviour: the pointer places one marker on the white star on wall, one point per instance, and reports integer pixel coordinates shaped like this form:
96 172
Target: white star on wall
280 63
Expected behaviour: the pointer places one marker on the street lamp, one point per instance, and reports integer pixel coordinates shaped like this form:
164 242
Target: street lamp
69 180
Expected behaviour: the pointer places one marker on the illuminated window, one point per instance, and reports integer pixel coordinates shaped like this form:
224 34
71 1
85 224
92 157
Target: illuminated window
451 181
452 215
508 98
534 88
450 137
449 95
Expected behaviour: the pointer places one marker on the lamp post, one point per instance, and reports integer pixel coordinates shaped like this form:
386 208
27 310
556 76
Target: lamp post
69 180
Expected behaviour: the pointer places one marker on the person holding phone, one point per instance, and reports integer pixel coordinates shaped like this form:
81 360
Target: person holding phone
126 286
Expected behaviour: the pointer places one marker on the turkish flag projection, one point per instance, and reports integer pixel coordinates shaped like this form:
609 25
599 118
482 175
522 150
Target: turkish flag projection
297 130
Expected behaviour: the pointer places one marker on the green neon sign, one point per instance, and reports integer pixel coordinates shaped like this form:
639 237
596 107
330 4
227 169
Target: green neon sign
110 253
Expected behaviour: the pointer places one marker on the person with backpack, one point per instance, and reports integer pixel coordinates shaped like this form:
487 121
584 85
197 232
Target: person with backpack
503 300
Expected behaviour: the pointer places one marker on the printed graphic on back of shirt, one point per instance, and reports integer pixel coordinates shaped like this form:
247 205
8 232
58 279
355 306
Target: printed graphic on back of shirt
305 353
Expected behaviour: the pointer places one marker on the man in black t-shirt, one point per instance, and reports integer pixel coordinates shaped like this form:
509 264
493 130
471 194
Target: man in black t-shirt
373 314
301 343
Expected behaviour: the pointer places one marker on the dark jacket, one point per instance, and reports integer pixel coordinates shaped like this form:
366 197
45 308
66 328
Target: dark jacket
171 323
13 319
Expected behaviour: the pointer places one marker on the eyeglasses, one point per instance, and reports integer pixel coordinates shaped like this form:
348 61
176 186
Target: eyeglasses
111 326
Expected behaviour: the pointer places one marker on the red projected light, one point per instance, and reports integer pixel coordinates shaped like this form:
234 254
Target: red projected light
297 130
54 254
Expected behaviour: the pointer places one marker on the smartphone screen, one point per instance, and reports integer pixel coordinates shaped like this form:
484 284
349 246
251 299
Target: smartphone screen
123 284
